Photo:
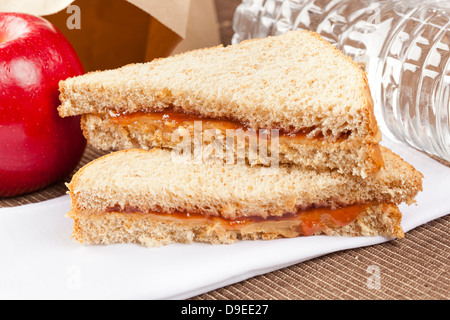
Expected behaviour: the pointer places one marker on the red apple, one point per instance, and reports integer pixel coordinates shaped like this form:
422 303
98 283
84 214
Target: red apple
37 147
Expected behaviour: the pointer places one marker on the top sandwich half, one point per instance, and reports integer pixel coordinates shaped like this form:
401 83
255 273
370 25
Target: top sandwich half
297 83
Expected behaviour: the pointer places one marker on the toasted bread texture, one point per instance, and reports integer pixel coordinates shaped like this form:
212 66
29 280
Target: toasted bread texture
161 181
156 230
106 133
293 82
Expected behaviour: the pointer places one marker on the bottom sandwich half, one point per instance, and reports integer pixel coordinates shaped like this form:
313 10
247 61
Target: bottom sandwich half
156 229
147 197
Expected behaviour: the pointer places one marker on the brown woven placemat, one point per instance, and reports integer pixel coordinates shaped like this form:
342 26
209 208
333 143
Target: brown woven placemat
416 267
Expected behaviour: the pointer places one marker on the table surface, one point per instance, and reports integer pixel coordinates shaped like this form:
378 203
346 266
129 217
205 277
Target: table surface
416 267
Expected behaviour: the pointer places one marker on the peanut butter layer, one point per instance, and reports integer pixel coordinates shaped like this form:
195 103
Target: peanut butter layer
173 119
231 141
160 229
305 222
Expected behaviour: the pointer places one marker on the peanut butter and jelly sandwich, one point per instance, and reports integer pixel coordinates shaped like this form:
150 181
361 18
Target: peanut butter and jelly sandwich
147 197
297 84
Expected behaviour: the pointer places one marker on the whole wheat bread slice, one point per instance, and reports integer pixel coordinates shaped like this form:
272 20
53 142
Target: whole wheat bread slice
294 81
109 134
155 230
158 181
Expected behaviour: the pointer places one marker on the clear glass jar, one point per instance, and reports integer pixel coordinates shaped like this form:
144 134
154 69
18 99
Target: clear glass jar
403 44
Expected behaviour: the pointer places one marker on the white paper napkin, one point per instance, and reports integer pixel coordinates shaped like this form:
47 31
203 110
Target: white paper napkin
38 260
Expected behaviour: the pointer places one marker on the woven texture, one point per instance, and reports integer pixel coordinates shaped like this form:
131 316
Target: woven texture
413 268
416 267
